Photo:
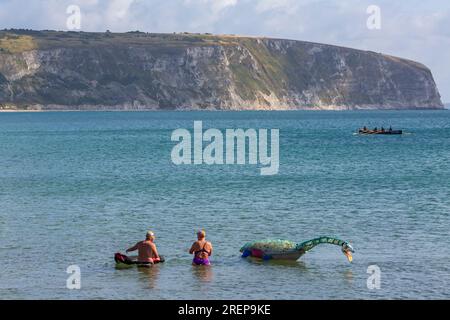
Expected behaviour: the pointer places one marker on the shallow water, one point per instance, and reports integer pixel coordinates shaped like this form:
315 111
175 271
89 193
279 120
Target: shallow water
77 187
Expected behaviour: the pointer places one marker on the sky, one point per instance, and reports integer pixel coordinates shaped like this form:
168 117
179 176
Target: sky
413 29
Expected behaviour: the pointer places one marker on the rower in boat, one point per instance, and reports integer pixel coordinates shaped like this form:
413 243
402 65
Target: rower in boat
382 131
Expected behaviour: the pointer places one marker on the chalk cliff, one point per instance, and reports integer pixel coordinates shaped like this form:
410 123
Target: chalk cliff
46 70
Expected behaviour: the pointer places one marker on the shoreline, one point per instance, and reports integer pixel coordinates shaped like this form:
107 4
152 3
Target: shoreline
217 110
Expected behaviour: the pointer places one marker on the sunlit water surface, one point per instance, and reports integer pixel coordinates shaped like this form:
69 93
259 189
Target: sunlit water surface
77 187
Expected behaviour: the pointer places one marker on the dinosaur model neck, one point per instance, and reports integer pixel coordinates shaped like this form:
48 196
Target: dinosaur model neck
308 245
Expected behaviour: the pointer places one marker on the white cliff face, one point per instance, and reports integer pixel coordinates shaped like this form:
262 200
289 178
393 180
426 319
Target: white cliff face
227 73
15 67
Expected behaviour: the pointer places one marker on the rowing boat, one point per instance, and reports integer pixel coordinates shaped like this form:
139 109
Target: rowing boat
388 132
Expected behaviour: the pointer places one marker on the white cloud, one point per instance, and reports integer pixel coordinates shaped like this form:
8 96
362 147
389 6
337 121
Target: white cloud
118 9
219 5
216 4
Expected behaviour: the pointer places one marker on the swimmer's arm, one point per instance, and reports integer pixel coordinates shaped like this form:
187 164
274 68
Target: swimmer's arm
155 252
134 248
211 249
192 250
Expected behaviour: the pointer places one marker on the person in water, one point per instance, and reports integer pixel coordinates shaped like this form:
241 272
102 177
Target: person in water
147 252
201 249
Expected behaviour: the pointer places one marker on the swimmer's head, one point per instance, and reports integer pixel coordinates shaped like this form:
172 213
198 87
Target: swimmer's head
201 234
150 235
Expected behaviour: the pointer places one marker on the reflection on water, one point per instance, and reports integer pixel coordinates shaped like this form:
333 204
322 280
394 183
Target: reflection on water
151 275
348 276
203 273
278 263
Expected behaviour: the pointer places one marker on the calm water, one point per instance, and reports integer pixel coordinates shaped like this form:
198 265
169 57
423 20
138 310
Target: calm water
77 187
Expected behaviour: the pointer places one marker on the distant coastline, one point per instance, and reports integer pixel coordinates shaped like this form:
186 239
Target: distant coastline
138 71
446 108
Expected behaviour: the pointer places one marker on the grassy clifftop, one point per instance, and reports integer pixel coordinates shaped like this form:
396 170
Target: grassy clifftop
15 41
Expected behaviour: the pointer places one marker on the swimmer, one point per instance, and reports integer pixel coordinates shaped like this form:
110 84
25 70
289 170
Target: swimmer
201 249
147 252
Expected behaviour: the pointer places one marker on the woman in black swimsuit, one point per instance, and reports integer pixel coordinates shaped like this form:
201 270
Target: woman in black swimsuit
202 250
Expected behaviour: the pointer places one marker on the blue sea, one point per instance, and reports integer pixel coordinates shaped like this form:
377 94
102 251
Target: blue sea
76 187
